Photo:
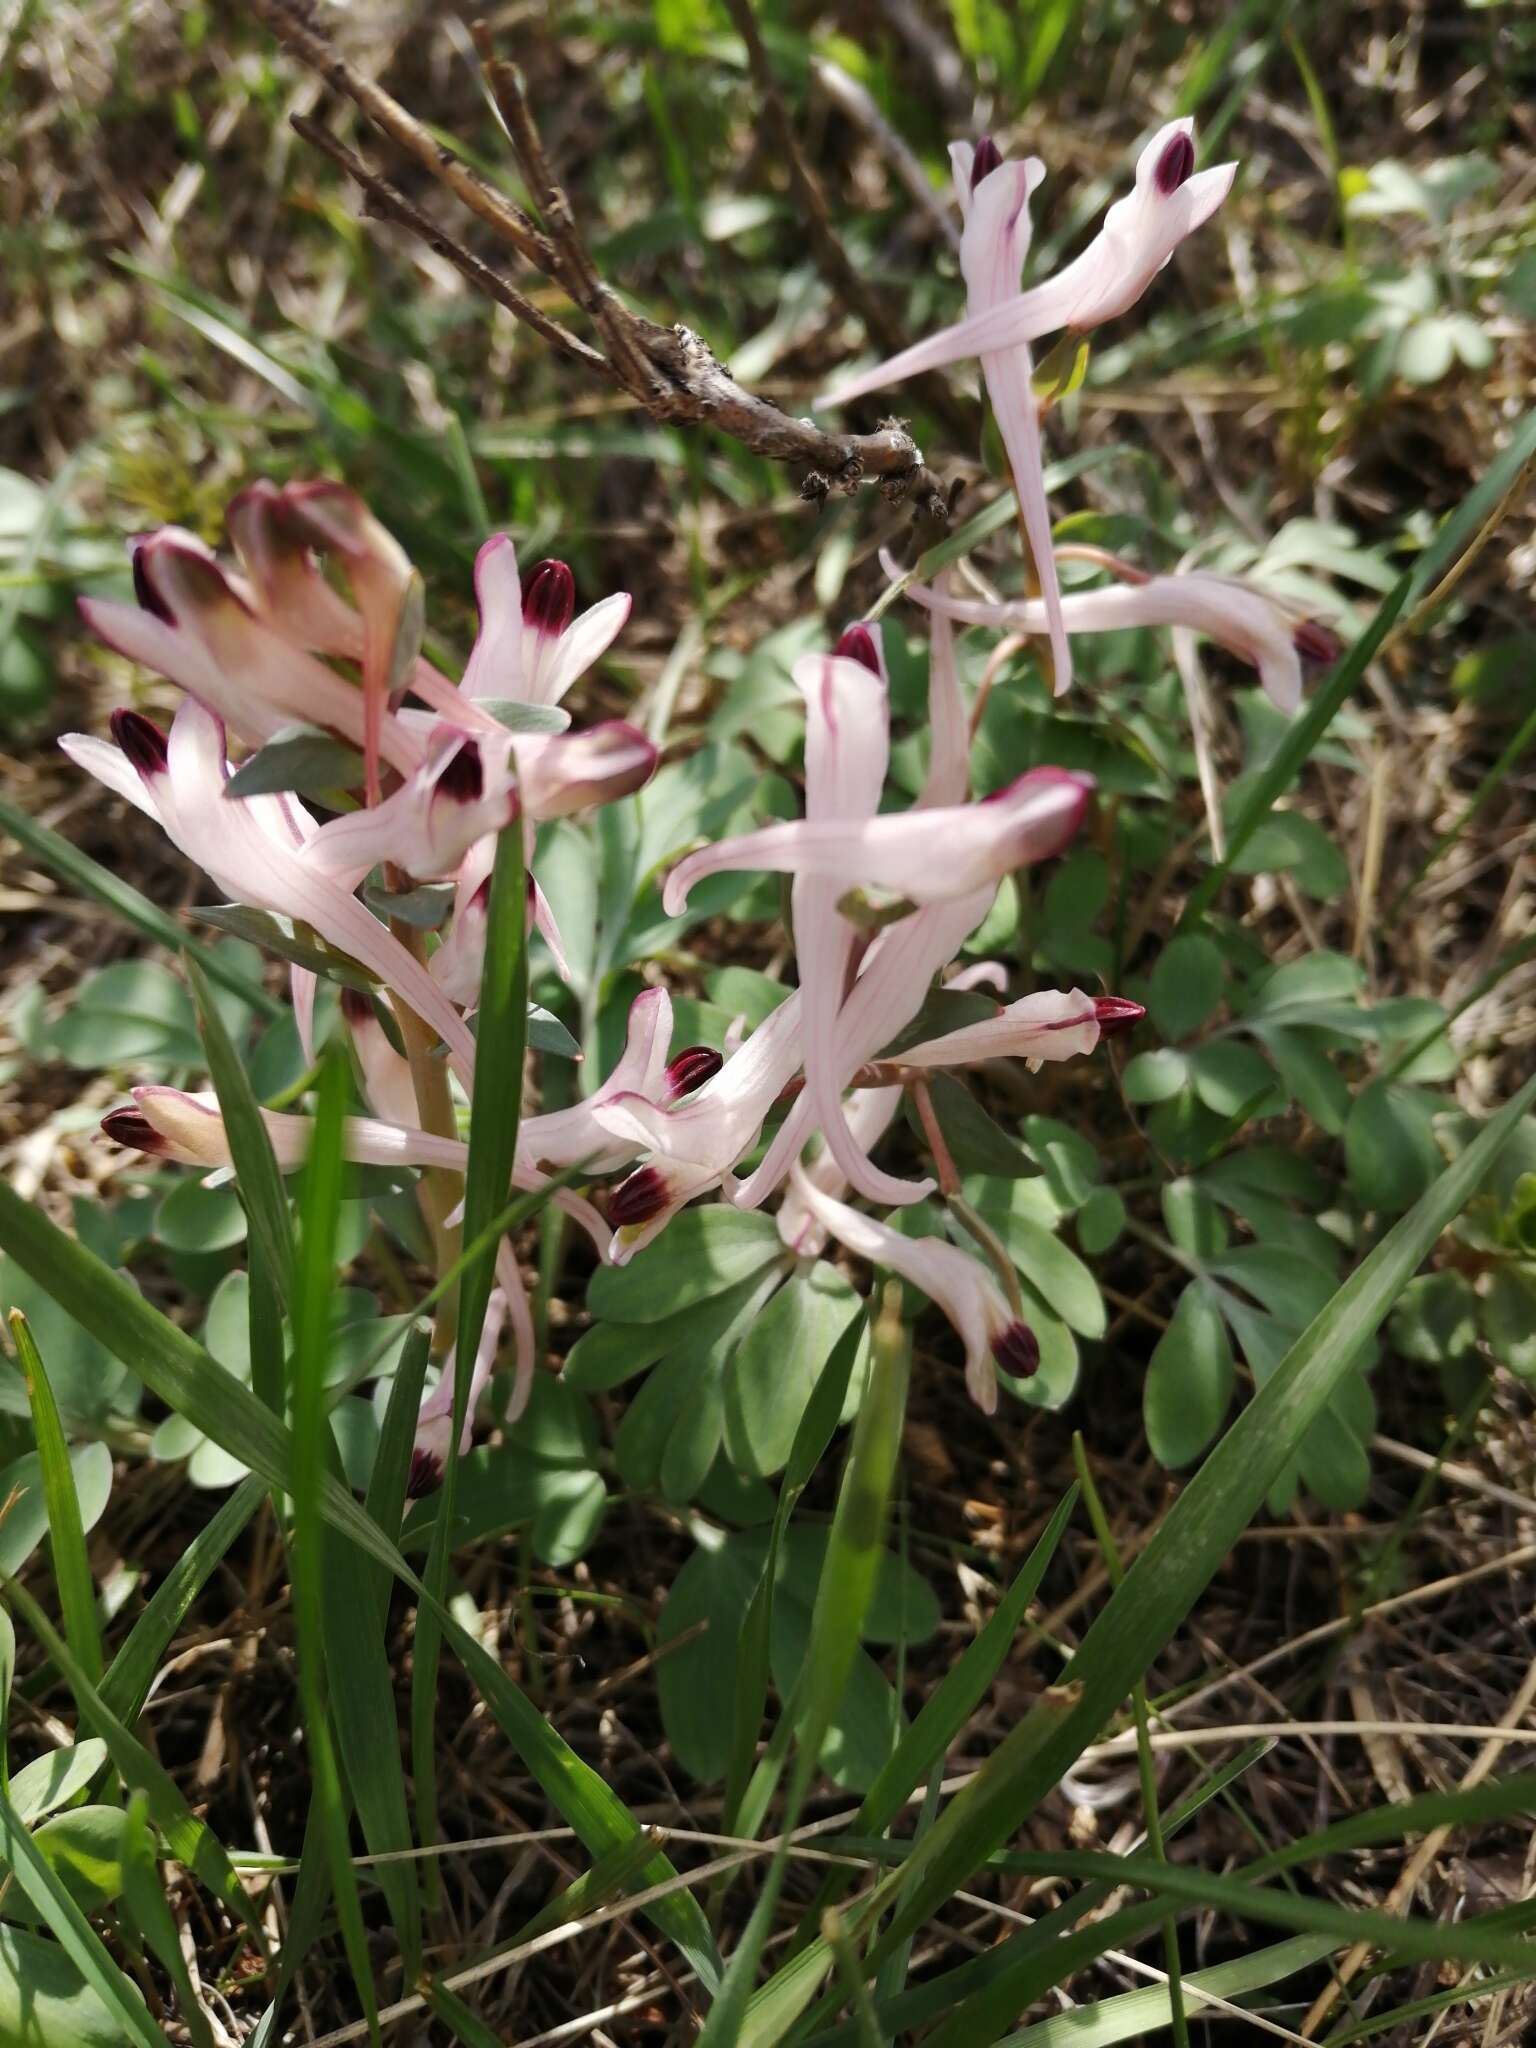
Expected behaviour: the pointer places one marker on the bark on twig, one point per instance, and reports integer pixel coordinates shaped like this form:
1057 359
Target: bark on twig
669 371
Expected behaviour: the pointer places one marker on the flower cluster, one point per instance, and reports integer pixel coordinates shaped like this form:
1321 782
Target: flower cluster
881 901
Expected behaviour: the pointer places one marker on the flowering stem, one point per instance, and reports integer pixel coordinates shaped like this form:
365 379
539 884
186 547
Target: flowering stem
943 1162
995 1250
439 1190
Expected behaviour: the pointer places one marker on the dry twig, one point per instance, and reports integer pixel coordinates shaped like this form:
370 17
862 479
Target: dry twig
669 371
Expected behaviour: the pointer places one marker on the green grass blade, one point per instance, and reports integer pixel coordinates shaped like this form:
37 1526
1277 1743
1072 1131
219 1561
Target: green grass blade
314 1284
950 1705
257 1177
362 1701
857 1540
1168 1577
1295 749
66 1532
144 1896
855 1546
190 1840
1146 1769
463 2024
7 1676
102 886
131 1673
812 1436
1135 2015
495 1108
182 1374
385 1499
75 1934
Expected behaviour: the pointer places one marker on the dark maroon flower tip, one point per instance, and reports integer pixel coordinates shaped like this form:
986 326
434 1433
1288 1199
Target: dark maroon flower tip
356 1007
858 644
691 1068
1017 1350
1317 647
425 1475
549 601
142 741
1116 1013
638 1199
1175 164
463 777
144 589
130 1127
987 159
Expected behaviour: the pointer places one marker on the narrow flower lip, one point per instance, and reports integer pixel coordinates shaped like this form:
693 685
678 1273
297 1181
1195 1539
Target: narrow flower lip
930 856
575 770
256 849
870 1113
1137 236
951 1278
895 977
429 824
847 751
1256 625
1051 1024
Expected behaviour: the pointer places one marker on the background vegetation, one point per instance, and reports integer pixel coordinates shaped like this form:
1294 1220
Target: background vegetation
1331 383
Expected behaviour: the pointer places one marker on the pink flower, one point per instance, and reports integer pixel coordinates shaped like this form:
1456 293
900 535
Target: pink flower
428 824
847 747
1261 629
1048 1025
870 1112
531 647
1138 236
194 626
256 849
696 1142
930 856
994 198
952 1280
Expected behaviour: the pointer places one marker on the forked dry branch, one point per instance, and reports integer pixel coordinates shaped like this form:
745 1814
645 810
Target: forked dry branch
670 372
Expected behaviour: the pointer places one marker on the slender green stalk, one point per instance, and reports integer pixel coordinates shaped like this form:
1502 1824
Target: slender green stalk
1146 1769
325 1185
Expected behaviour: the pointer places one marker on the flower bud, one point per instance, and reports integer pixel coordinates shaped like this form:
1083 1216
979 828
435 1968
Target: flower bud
638 1199
1017 1350
130 1127
858 644
549 601
987 159
690 1069
142 741
1176 163
1116 1013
